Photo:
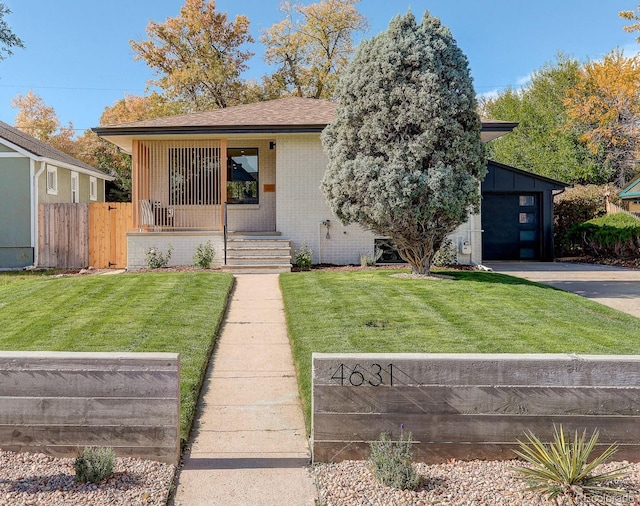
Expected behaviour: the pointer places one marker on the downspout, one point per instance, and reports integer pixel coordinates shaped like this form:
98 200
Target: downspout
554 194
34 209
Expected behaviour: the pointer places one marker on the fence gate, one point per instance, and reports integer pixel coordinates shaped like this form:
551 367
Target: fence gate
108 226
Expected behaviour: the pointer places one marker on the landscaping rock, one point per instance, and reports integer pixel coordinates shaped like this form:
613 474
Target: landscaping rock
39 479
475 483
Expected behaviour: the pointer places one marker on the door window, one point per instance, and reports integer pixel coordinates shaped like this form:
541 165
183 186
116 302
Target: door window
242 175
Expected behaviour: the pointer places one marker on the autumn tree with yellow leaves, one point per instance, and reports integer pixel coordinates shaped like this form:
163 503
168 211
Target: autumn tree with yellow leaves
605 106
631 16
312 45
39 120
198 55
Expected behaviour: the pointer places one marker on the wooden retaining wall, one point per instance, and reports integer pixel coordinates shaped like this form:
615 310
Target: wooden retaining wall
58 402
471 406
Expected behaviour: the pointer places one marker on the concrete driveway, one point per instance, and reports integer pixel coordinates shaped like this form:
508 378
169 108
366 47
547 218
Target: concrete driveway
612 286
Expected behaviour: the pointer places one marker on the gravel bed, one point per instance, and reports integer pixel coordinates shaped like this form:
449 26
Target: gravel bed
476 483
36 479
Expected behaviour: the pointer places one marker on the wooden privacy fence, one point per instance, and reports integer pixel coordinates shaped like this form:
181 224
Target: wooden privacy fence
73 236
471 406
108 226
57 403
63 235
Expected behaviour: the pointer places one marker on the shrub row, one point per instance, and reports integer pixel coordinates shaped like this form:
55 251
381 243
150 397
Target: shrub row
611 235
577 205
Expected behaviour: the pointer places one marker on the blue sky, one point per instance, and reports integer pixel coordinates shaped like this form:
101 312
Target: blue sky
78 58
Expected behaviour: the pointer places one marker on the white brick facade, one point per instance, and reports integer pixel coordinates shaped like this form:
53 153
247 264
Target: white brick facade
297 209
301 207
184 245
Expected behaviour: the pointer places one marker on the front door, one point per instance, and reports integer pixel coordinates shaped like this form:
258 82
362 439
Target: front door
251 187
511 226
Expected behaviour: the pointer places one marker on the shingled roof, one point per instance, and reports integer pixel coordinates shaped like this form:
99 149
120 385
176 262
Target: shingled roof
284 115
293 113
632 191
42 149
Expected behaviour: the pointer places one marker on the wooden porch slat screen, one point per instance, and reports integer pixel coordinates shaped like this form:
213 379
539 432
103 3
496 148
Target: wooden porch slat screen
179 185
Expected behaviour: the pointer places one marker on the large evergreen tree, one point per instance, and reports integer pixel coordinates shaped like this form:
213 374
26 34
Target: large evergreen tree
405 156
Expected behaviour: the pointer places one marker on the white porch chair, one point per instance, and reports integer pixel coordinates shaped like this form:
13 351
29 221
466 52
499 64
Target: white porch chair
147 219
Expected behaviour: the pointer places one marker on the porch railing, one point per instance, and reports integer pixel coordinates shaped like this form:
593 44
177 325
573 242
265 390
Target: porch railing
179 184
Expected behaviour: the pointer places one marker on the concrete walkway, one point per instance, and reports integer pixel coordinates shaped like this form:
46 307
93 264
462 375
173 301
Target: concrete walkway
249 445
612 286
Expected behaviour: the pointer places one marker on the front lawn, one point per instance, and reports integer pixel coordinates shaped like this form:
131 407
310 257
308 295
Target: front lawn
177 312
477 312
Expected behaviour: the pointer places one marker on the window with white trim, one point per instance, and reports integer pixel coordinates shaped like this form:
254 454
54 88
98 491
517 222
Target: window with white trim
52 179
75 188
93 188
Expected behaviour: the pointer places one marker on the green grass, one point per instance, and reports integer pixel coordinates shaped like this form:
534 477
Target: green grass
160 312
19 275
477 312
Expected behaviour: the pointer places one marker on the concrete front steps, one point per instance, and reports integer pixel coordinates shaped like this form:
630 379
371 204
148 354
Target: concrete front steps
257 254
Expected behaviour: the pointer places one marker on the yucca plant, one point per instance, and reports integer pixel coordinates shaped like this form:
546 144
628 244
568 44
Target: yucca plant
561 470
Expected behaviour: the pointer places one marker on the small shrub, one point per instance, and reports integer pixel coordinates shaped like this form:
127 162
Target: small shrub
446 255
204 255
367 260
304 257
156 259
94 465
560 470
392 463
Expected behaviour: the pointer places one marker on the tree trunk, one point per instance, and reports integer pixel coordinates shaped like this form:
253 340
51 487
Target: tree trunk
419 256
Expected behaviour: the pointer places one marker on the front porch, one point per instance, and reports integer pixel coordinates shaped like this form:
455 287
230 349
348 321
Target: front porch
188 192
178 185
204 184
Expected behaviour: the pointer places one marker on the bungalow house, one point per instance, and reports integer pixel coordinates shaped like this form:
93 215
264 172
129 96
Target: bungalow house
32 173
631 196
248 179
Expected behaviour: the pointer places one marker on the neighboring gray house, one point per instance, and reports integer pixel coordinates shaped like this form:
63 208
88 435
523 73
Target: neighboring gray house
32 173
257 169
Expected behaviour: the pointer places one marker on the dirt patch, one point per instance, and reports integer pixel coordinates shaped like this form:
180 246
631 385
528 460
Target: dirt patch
629 263
389 267
426 277
178 268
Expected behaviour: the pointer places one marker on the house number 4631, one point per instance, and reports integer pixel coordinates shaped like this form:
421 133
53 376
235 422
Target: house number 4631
373 375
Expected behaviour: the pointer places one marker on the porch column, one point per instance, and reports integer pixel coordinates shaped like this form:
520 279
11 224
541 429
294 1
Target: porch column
135 183
223 181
